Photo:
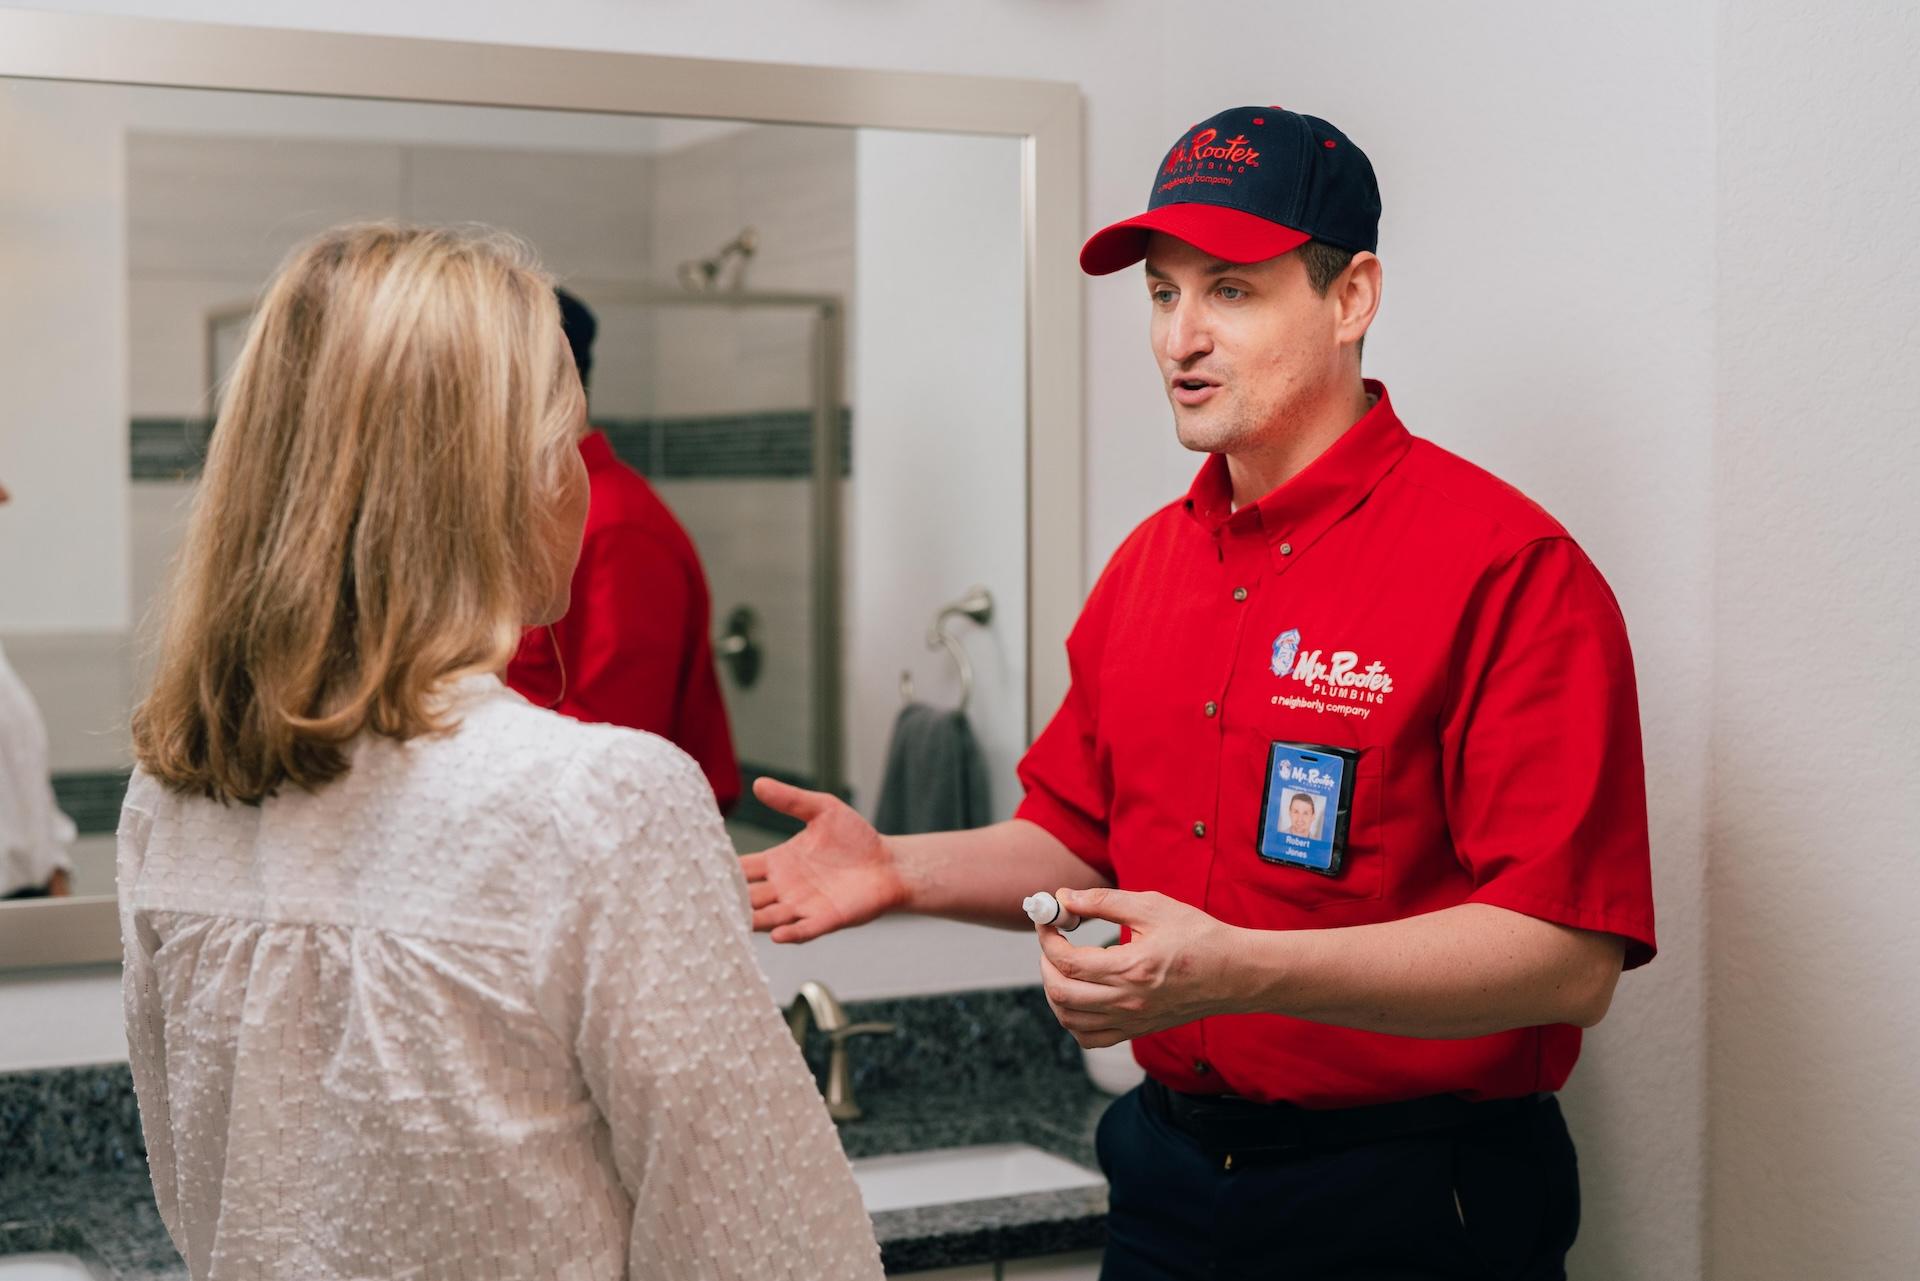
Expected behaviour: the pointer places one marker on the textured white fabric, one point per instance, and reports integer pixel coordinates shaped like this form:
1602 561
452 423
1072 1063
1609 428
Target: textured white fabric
34 834
484 1007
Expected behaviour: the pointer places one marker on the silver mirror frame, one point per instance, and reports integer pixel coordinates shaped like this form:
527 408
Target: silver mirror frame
1045 116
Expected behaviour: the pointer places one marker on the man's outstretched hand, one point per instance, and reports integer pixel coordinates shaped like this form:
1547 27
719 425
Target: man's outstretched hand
836 872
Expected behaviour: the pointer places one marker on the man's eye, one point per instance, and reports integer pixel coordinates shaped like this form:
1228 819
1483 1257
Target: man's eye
1162 296
1232 293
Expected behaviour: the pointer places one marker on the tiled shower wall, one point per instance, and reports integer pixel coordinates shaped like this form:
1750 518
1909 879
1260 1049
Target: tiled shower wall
795 188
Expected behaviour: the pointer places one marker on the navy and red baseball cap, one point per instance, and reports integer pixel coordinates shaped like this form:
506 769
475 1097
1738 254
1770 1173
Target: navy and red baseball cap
1251 184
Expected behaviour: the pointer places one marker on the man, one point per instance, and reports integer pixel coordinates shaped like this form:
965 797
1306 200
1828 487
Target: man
633 648
1351 1041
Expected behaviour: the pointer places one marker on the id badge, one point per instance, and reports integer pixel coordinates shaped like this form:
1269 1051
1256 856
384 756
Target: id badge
1303 815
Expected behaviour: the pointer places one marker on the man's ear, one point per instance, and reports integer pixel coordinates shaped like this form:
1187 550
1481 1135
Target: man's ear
1357 295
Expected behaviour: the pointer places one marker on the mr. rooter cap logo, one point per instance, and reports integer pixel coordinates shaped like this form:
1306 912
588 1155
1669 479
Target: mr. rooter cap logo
1203 149
1205 159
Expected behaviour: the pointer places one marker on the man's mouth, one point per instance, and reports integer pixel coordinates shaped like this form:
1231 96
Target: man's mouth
1194 391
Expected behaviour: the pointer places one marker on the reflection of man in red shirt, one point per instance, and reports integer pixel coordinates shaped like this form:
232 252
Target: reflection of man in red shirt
633 648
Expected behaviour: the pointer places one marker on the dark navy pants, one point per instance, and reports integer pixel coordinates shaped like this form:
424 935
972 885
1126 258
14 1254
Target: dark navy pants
1495 1201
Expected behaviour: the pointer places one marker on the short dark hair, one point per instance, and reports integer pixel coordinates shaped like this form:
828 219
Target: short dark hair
1324 263
580 327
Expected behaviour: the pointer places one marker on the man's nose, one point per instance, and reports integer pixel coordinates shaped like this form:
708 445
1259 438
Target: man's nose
1187 334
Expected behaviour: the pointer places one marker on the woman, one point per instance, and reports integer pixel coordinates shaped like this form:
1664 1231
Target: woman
422 980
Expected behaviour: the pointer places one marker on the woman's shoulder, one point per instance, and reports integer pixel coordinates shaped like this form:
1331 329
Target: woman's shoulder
568 757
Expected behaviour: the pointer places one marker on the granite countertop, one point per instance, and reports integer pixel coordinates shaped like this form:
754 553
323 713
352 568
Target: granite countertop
968 1069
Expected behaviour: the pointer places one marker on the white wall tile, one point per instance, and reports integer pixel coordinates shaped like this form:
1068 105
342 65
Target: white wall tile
232 207
81 683
586 214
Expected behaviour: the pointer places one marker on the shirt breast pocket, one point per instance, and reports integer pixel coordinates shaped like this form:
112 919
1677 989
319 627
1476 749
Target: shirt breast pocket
1361 855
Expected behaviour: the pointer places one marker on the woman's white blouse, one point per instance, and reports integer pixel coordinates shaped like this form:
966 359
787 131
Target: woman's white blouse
483 1007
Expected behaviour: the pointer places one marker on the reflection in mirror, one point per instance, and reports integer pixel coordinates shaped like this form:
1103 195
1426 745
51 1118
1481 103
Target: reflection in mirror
749 284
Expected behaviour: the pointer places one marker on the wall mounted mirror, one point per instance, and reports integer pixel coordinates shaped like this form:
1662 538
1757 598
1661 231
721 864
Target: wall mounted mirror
839 334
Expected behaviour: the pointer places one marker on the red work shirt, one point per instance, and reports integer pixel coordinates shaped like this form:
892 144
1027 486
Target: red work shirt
634 644
1398 602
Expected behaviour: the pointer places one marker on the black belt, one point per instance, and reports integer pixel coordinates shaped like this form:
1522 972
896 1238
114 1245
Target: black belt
1227 1126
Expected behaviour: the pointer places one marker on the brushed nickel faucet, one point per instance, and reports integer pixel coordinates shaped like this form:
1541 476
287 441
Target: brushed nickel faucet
817 1006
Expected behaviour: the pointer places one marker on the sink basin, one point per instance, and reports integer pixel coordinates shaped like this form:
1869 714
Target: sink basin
965 1174
45 1267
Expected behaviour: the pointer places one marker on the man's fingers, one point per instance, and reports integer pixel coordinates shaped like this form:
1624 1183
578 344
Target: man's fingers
761 893
772 916
754 866
1122 907
795 802
799 931
1092 964
1066 994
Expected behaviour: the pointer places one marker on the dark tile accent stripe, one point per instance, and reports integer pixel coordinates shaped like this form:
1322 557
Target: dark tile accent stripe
633 441
168 448
92 799
773 445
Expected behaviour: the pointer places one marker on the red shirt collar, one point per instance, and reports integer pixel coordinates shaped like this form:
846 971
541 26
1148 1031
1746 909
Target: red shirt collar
1332 485
597 451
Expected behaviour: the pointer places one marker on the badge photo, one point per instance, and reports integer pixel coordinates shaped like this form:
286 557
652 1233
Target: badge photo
1305 807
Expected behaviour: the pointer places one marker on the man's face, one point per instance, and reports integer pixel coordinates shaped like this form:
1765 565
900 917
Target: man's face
1241 346
1300 816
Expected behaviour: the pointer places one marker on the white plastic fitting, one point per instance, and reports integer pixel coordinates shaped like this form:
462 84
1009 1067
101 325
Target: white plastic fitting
1044 909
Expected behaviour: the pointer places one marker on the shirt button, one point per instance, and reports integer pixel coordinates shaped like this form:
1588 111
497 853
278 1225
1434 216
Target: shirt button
1239 593
1286 549
1201 1067
1212 707
1199 829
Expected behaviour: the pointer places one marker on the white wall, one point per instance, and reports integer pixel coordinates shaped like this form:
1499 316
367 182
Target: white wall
939 489
63 424
1814 1026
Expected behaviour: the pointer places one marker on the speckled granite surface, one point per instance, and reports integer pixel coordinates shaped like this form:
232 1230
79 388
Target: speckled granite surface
963 1069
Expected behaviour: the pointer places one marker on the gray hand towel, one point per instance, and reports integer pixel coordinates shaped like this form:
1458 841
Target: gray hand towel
936 778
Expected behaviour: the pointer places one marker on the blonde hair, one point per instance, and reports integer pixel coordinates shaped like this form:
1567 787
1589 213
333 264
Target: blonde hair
371 519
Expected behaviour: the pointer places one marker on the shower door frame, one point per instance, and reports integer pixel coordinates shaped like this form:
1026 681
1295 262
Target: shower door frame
827 672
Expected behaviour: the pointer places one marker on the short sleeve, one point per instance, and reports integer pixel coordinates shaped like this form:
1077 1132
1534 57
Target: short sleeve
642 964
1541 756
1069 792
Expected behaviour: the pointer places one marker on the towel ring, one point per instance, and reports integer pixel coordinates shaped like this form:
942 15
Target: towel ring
977 604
